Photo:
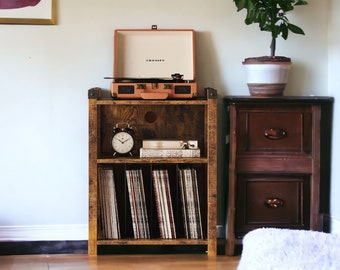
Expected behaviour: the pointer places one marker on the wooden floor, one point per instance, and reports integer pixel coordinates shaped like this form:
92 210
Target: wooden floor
117 262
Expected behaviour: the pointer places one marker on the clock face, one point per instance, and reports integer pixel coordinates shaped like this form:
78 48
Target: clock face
122 142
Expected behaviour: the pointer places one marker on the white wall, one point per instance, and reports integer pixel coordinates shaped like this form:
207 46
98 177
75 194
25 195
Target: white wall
45 72
334 86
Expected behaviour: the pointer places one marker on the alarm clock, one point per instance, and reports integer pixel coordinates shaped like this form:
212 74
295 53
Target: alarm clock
122 139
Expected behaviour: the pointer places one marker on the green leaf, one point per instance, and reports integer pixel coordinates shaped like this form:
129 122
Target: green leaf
295 29
251 17
285 5
300 3
263 19
240 4
284 31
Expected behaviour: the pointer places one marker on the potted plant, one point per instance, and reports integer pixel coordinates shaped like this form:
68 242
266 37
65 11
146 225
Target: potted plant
268 74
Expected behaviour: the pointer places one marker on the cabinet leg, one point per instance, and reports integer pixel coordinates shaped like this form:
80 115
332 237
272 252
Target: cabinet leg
230 247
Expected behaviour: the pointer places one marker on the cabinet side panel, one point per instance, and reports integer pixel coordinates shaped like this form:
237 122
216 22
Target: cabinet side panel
93 154
232 185
315 217
212 175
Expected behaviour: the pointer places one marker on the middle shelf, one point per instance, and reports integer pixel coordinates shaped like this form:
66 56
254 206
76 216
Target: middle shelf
152 160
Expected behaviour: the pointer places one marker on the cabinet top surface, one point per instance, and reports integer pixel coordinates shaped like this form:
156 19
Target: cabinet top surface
278 99
151 102
103 97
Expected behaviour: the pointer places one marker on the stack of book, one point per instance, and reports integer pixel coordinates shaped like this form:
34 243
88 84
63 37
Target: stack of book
164 204
169 148
140 223
190 203
108 204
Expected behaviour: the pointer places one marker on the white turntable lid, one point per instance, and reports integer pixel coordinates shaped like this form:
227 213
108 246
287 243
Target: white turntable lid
154 54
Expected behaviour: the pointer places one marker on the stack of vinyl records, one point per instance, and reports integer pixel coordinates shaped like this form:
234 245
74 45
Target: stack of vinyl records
190 203
140 223
189 196
108 204
164 204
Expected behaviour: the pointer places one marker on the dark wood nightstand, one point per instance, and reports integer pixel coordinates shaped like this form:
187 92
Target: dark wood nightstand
279 160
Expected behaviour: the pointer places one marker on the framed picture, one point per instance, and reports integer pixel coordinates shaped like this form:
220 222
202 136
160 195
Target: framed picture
28 11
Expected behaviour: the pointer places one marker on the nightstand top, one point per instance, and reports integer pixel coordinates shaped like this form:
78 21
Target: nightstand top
279 99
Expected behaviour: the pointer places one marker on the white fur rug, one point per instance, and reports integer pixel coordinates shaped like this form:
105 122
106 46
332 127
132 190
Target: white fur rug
276 249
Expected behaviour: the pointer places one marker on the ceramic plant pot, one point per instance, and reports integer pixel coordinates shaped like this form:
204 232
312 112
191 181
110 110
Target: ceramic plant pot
267 76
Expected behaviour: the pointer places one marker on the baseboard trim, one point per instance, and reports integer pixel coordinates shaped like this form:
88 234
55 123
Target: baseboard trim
43 247
67 232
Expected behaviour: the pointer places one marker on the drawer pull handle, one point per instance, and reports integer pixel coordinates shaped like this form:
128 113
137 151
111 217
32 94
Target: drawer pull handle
274 203
274 133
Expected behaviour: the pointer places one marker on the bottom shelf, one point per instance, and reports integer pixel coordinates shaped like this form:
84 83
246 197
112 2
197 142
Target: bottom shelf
153 246
148 202
168 247
180 241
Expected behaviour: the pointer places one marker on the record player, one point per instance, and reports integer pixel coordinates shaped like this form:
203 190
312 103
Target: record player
154 64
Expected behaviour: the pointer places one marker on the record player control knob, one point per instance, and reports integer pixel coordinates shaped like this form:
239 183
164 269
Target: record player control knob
167 86
141 86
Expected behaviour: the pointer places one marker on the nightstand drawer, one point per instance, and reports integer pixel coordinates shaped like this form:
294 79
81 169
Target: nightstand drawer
274 130
272 201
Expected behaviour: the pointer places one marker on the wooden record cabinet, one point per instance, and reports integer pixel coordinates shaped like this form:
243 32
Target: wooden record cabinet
279 156
167 119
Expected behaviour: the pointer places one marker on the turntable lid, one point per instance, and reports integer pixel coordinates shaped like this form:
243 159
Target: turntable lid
154 53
